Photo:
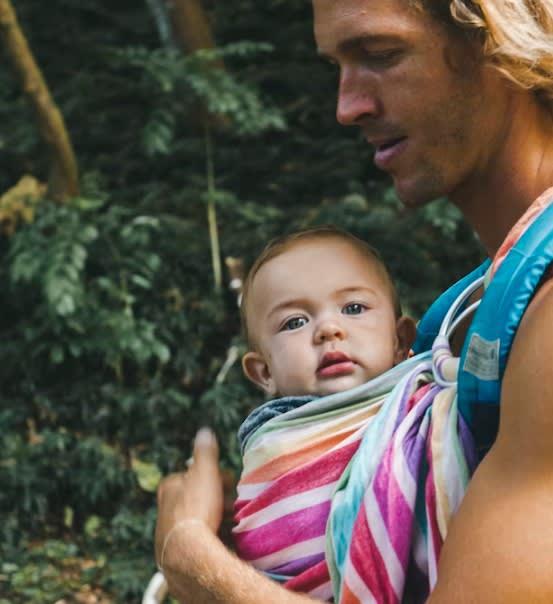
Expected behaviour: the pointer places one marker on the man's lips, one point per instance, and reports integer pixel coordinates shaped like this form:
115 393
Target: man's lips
387 149
334 364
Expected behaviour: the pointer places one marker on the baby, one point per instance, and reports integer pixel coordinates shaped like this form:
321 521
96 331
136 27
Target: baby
321 315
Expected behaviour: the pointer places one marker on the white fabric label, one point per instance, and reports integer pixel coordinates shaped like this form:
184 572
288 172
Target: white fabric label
482 358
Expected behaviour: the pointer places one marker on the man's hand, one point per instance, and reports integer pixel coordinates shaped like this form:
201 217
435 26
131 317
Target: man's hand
197 566
192 497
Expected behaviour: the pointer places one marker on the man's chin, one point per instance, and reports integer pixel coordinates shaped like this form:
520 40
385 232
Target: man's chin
413 194
412 201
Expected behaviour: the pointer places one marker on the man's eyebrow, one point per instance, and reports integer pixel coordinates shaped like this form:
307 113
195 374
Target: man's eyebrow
357 41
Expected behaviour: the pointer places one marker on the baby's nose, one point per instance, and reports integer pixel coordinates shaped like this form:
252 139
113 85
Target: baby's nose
329 330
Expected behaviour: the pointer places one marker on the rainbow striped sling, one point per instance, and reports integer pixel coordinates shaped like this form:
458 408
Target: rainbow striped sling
349 497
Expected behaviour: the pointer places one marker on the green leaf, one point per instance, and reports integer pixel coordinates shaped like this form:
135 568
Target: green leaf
57 355
141 281
147 474
92 525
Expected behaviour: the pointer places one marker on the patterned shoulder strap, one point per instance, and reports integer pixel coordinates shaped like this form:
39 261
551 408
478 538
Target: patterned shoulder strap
490 336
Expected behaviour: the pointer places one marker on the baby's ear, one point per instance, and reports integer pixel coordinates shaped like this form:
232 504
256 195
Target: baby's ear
406 332
257 371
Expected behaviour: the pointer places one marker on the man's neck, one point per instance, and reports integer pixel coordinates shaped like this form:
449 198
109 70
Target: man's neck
495 197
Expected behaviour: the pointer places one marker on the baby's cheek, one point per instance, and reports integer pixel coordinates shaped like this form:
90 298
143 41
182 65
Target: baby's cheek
389 358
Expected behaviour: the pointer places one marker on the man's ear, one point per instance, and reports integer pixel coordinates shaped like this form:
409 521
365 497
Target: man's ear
406 333
257 371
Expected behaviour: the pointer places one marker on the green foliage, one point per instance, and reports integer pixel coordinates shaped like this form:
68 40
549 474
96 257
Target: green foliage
172 83
114 345
112 336
59 259
52 570
49 257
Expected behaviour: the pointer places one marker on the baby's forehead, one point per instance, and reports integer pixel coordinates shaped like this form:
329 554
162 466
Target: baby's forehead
291 250
295 267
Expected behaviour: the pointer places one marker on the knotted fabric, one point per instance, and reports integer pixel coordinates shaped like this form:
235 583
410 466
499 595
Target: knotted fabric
351 494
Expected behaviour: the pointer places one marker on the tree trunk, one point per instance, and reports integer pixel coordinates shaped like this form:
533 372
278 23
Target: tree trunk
63 179
191 25
191 28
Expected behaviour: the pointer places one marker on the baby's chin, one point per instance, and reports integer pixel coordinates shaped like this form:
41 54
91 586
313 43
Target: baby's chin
338 385
330 391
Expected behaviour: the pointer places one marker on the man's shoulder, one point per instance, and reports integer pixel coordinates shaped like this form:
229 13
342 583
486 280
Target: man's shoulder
527 389
533 338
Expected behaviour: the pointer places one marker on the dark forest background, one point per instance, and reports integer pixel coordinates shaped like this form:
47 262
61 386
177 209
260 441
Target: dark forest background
200 130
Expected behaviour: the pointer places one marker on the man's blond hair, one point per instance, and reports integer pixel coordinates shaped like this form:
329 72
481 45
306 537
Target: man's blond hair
515 36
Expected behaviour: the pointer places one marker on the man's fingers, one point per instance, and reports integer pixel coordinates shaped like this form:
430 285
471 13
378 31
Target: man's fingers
206 449
169 484
195 496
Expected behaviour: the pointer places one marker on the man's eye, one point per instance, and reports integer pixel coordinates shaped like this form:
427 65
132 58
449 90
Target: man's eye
354 309
294 323
383 58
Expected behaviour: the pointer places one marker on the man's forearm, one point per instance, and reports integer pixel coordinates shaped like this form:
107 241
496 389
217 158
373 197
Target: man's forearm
201 570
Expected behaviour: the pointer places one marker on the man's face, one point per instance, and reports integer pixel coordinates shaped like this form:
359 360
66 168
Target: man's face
322 317
433 113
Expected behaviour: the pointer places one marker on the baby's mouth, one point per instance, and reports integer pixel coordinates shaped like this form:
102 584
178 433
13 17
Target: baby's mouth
335 363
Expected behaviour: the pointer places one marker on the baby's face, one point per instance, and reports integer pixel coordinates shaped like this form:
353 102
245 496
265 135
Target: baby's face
322 317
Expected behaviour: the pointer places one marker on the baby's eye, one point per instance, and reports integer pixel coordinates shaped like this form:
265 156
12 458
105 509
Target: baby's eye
354 309
294 323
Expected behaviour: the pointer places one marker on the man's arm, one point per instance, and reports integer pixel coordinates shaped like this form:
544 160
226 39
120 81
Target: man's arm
500 547
197 566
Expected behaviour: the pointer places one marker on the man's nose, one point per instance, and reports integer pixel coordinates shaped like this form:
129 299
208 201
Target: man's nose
328 330
357 98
